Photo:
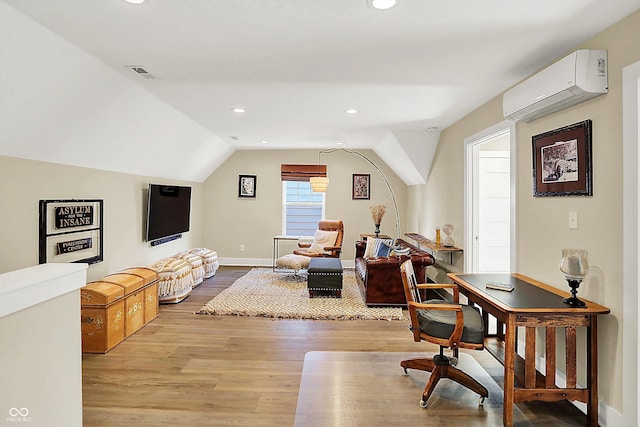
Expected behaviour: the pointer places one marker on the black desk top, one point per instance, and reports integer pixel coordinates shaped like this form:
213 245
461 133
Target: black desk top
524 295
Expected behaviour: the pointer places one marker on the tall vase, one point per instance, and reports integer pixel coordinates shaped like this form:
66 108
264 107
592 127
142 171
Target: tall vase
377 230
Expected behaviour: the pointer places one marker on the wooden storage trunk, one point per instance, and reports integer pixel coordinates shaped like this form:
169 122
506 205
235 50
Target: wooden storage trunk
117 306
133 300
150 280
102 316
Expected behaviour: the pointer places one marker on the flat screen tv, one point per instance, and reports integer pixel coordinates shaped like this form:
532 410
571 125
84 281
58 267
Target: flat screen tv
168 211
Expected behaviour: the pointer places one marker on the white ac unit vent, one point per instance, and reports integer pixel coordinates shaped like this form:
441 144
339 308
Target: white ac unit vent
575 78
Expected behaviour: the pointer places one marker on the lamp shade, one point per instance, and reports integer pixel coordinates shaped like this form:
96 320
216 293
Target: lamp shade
319 184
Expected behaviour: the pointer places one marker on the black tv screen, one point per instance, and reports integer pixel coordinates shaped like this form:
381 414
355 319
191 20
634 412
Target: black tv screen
168 211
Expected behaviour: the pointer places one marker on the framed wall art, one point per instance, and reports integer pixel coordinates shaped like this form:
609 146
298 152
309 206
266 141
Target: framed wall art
71 231
361 186
562 164
247 186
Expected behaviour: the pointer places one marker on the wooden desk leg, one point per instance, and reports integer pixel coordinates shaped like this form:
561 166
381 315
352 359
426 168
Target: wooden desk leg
592 372
509 365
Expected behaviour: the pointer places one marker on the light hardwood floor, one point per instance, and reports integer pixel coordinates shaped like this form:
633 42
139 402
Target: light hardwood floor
184 369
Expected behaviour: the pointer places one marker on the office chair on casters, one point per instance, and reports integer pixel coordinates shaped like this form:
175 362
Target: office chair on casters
450 325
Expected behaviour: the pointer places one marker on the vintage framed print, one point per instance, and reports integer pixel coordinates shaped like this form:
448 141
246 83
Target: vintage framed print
247 186
71 231
562 164
361 186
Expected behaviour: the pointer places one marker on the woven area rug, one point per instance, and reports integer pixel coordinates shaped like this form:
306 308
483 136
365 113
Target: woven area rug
265 293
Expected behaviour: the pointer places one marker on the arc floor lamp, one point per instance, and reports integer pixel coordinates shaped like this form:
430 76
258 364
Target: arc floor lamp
320 184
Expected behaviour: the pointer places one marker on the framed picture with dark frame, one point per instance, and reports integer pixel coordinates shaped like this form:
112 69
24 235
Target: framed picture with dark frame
361 186
562 164
247 186
71 231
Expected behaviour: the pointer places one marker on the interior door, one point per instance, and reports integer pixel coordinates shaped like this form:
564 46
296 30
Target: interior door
493 209
490 200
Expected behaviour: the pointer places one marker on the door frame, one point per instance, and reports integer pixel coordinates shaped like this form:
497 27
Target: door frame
470 172
631 242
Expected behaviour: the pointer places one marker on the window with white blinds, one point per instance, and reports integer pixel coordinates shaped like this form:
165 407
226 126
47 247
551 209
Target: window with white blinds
301 208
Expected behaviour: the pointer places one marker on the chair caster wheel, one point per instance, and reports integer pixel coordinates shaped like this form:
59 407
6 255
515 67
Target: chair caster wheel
481 402
423 404
453 361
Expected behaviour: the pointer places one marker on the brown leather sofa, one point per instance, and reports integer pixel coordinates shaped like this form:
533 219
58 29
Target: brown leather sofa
379 278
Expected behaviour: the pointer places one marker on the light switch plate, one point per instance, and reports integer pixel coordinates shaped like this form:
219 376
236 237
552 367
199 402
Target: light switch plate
573 219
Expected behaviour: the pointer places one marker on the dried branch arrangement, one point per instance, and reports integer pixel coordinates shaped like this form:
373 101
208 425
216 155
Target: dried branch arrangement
377 212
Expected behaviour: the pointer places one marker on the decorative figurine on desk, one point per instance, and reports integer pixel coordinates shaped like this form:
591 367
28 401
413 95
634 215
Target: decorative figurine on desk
448 241
575 266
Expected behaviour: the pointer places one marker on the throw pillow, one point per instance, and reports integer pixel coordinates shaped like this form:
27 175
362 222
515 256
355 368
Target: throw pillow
368 250
384 250
321 239
402 251
373 245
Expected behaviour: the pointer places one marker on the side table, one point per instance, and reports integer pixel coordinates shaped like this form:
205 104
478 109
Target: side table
276 247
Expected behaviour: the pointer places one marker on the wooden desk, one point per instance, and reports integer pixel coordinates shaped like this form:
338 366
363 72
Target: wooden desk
534 304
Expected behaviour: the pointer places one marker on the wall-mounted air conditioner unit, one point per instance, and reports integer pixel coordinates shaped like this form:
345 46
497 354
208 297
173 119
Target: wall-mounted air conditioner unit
573 79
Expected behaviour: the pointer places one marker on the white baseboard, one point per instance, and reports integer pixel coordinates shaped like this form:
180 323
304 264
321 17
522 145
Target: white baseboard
246 262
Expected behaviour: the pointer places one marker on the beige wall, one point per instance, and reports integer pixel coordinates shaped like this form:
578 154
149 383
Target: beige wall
542 223
231 221
24 182
228 220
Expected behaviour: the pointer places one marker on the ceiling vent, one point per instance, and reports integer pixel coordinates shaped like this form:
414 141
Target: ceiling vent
140 70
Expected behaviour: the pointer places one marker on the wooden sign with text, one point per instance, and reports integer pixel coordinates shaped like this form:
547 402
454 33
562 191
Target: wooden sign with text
74 245
74 216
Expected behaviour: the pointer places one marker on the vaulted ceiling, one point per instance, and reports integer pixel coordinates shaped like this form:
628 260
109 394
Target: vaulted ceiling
296 66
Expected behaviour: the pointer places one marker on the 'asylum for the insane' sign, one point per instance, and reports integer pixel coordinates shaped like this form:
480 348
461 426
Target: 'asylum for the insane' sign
74 216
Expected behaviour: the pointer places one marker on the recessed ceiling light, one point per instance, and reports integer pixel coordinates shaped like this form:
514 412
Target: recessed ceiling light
351 111
238 110
264 142
135 1
340 143
381 4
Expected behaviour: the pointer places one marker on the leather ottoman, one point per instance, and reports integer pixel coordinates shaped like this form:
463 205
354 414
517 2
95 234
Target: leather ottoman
324 277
